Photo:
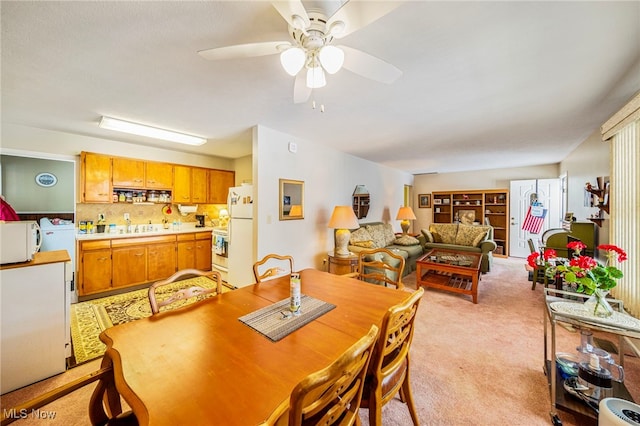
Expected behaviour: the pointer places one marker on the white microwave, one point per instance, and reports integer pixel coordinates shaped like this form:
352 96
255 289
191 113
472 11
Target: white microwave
20 240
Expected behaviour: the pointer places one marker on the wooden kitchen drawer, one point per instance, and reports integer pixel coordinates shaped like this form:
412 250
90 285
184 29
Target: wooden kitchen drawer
95 245
122 242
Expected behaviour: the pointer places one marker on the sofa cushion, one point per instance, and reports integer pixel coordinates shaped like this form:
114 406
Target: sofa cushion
470 235
381 234
444 232
407 251
361 238
406 240
427 235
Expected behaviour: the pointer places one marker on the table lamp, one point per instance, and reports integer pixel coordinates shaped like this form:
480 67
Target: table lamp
405 214
342 219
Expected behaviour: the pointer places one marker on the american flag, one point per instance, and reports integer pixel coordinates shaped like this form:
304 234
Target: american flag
534 220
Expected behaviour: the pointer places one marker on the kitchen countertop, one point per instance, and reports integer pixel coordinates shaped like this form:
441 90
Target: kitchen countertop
41 258
185 228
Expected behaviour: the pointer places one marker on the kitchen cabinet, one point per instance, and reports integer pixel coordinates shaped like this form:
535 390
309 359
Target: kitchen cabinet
127 173
103 176
181 184
161 260
158 175
130 266
194 251
95 178
199 185
94 267
116 263
219 183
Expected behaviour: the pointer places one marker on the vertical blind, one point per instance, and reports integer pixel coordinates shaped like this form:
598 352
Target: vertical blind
624 230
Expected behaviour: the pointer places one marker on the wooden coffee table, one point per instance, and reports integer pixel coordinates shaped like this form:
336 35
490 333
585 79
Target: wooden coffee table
450 270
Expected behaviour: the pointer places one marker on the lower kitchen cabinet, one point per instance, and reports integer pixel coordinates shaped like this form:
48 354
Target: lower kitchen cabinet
194 251
161 261
129 266
94 270
124 262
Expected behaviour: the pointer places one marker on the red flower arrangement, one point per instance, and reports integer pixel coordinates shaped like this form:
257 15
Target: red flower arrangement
587 273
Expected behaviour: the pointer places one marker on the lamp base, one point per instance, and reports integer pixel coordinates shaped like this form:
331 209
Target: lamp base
404 224
342 241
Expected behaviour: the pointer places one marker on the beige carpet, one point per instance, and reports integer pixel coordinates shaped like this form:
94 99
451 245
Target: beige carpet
90 318
471 364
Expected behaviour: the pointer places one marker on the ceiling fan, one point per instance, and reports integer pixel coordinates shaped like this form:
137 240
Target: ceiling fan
311 52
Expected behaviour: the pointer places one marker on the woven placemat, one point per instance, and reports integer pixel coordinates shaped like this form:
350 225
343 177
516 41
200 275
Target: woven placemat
276 321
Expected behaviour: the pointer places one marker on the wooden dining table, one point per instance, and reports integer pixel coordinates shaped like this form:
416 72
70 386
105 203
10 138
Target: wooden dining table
200 364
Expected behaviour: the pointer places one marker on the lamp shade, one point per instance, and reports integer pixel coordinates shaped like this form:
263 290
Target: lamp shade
292 60
331 58
405 213
343 217
315 77
296 210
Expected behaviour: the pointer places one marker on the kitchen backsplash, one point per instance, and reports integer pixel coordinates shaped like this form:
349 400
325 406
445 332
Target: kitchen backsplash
141 213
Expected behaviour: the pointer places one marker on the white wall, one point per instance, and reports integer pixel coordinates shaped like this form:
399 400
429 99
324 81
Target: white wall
484 179
330 178
589 160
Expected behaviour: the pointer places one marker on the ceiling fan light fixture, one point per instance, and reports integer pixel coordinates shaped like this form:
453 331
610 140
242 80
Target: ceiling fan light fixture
315 78
293 60
148 131
331 58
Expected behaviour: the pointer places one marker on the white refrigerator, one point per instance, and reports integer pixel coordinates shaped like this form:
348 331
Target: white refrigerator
240 239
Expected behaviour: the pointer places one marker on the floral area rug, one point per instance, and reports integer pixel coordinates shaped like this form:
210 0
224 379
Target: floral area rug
90 318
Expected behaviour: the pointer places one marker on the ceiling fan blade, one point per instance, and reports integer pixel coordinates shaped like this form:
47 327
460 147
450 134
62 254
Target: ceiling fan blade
357 14
290 8
249 50
369 66
301 92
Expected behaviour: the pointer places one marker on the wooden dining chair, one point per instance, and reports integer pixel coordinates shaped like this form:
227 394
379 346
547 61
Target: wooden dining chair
380 266
184 293
105 390
389 368
272 266
331 395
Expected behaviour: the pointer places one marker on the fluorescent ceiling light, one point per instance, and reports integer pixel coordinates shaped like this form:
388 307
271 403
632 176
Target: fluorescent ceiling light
152 132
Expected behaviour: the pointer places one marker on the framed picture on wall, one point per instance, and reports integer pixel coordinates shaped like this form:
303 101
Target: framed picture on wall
424 201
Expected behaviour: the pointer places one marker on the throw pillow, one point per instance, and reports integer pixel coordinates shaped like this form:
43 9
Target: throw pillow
365 244
480 238
428 235
406 240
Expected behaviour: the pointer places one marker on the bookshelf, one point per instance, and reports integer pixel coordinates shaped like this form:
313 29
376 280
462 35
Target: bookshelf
476 206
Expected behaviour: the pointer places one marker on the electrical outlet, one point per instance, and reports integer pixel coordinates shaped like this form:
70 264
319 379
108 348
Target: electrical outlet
126 216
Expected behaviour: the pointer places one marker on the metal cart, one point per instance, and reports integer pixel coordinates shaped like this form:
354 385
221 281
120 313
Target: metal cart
624 330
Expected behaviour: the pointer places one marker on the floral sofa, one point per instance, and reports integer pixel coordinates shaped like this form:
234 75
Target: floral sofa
381 235
461 237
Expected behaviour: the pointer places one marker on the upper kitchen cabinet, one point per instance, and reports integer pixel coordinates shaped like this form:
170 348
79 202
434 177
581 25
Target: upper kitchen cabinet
181 184
95 178
159 175
199 185
219 183
127 173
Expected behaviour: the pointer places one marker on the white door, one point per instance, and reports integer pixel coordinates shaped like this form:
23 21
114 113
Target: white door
522 193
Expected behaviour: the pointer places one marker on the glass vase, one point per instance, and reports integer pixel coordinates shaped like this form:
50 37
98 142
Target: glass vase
598 304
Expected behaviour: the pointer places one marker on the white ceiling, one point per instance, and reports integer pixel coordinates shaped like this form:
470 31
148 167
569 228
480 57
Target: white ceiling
485 84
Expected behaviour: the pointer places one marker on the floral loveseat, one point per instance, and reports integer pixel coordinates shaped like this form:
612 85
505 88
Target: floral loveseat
381 235
461 237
